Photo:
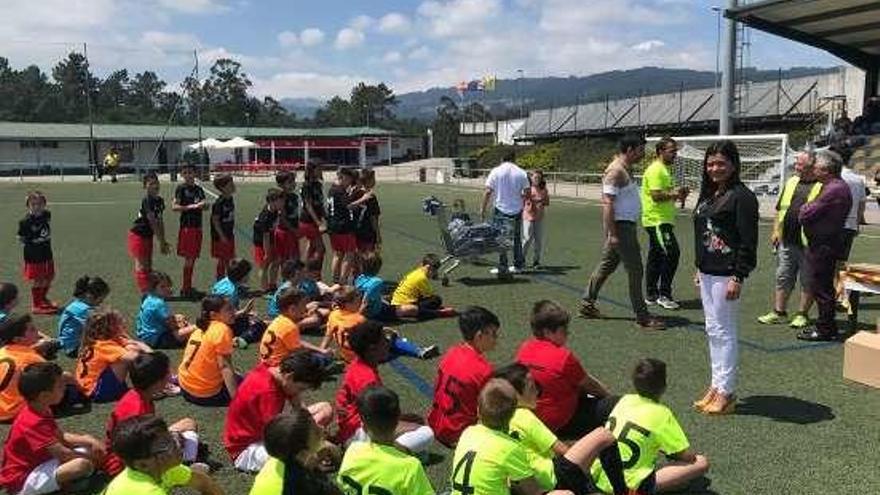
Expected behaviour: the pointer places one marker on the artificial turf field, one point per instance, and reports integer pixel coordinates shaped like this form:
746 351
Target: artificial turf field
799 427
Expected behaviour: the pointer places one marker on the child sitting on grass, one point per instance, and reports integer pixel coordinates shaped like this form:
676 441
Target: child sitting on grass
415 298
149 376
88 293
38 457
156 324
46 346
246 327
105 357
283 335
371 287
293 275
18 336
206 374
153 461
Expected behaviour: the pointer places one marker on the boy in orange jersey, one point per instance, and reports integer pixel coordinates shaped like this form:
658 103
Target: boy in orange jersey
282 335
17 337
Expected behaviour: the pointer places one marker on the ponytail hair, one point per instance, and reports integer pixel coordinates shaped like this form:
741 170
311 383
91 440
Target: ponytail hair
210 304
286 436
90 286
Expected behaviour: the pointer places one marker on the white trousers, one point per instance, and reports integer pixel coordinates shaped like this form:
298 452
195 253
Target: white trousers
533 233
721 331
418 440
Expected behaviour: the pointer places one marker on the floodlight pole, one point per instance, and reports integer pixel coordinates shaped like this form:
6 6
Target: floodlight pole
199 107
728 49
88 83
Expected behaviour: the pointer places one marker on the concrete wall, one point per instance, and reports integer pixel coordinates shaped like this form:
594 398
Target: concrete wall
71 152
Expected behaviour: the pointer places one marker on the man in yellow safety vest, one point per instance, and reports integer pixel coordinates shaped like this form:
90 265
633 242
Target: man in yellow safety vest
789 242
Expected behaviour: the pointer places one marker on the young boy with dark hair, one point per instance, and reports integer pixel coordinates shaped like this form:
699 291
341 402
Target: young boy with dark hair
223 224
153 461
462 373
572 402
415 298
35 235
39 458
487 459
147 225
283 335
341 225
377 465
644 428
149 375
264 239
286 231
247 328
17 338
371 347
262 395
371 287
189 200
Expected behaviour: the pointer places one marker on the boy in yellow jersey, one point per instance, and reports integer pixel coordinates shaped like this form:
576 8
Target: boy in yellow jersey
378 465
644 428
153 461
415 298
487 459
17 337
282 336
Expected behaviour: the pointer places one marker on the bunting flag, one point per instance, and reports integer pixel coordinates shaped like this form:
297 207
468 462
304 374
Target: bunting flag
489 83
461 88
475 85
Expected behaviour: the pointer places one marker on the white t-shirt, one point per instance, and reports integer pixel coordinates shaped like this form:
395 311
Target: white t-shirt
508 181
857 186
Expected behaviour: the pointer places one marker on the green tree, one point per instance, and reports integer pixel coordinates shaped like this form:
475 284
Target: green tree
226 100
374 105
446 127
336 113
74 78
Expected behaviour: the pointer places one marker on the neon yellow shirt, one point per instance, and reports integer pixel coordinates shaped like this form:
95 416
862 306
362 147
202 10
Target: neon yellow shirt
487 462
657 178
130 481
414 286
369 467
644 428
270 479
538 441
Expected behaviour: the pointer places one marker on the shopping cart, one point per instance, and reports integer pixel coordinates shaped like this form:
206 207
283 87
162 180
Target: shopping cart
463 239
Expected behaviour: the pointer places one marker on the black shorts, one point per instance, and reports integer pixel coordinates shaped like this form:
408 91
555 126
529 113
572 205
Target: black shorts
848 238
569 476
648 486
590 414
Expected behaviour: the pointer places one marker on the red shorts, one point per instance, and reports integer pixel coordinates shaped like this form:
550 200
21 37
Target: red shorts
189 242
286 244
224 250
41 270
140 247
309 230
260 258
366 245
344 243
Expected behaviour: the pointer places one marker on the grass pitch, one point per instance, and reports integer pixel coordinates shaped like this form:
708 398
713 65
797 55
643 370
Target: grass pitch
799 428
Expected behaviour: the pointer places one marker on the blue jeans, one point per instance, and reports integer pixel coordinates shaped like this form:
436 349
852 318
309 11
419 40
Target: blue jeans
512 225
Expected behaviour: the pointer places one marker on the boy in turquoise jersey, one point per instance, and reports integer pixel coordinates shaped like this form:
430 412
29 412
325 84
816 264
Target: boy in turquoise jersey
644 428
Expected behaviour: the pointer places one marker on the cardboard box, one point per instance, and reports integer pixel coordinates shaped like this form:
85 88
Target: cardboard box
861 358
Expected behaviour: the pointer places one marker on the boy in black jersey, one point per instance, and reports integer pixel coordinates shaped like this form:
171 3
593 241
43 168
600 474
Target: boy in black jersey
366 212
311 222
264 240
36 238
223 224
147 224
287 231
340 224
189 200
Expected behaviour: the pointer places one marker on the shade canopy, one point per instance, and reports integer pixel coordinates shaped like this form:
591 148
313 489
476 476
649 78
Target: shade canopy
236 143
209 144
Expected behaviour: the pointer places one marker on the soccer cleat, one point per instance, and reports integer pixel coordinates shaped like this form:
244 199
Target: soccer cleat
667 303
589 310
651 323
708 397
721 405
800 320
813 335
651 301
430 352
773 318
44 310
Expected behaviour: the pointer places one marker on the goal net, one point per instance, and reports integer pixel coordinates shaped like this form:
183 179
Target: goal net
766 160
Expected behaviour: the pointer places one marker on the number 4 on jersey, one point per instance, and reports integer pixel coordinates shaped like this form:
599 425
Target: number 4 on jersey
461 481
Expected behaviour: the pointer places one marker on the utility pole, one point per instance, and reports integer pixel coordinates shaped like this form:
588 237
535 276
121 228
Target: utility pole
198 98
93 162
728 49
520 95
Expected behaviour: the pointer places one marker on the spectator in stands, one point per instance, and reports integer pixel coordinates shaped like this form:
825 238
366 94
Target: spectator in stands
823 221
509 185
621 208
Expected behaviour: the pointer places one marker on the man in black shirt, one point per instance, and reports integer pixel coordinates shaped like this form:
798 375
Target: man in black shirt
189 200
223 224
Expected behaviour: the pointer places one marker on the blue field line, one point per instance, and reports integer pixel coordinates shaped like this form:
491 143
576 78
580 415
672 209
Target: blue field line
691 327
402 369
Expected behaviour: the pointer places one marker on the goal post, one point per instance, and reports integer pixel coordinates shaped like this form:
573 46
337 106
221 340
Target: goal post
765 160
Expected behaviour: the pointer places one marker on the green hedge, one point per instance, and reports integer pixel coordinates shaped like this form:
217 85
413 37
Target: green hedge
564 155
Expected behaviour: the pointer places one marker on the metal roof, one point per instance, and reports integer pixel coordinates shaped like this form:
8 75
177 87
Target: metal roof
115 132
849 29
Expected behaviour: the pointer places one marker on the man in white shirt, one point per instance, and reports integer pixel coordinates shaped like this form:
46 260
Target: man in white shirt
856 216
508 183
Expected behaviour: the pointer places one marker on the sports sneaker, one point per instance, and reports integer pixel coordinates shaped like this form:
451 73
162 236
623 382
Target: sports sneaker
44 310
589 310
651 301
430 352
800 320
667 303
773 318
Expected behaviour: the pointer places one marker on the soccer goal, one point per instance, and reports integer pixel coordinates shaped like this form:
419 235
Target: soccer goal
766 160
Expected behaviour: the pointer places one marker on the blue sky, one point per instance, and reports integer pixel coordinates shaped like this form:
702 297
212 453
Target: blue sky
321 48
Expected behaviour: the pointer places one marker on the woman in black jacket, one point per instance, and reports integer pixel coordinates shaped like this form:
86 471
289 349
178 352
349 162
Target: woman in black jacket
726 240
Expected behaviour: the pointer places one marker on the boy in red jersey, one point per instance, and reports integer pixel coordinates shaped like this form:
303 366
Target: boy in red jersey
189 200
462 373
147 225
223 224
262 396
35 236
39 458
370 347
287 231
571 402
149 376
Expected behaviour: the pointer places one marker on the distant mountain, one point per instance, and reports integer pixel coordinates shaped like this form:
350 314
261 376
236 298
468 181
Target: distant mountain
302 107
536 93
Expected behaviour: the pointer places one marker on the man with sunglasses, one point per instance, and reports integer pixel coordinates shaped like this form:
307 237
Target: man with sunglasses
659 196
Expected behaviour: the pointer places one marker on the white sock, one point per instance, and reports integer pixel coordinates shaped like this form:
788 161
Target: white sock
417 440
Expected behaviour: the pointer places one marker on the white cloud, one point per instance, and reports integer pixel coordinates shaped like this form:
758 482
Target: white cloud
349 38
420 53
458 17
392 57
307 85
169 41
311 37
195 6
288 39
361 22
647 46
394 23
